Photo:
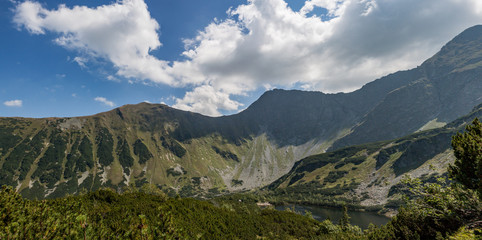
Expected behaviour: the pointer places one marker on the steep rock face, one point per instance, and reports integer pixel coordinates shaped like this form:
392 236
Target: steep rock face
191 153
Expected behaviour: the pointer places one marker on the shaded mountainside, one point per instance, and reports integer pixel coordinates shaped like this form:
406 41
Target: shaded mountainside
443 88
370 174
189 153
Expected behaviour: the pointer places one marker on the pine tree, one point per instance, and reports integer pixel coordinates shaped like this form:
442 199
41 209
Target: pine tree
467 146
345 219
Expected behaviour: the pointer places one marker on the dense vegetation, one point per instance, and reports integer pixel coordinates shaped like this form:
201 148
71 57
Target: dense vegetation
124 153
173 146
141 151
467 169
226 154
436 211
148 214
49 167
22 156
105 144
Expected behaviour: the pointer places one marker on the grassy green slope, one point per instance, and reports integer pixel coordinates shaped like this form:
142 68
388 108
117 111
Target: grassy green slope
133 145
369 175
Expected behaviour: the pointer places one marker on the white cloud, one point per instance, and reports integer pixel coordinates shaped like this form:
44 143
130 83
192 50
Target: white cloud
205 99
262 43
81 61
267 43
112 78
105 101
13 103
123 33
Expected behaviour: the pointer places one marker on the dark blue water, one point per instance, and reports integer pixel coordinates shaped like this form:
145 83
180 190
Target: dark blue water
361 219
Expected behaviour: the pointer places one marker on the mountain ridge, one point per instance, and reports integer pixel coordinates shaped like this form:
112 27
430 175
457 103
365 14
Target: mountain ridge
189 153
369 175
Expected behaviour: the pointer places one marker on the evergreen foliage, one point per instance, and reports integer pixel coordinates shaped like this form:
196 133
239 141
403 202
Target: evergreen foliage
141 151
345 219
86 153
173 146
236 182
150 214
80 157
71 159
436 213
20 159
49 167
105 147
226 154
467 146
333 176
7 139
124 154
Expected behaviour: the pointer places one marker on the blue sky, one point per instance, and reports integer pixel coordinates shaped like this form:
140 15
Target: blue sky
214 57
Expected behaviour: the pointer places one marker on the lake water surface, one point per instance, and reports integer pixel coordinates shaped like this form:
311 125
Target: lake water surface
361 219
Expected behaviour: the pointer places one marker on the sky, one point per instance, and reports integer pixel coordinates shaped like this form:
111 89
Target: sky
214 57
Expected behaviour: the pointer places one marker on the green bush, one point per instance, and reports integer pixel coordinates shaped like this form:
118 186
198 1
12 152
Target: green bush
124 154
105 147
173 146
141 151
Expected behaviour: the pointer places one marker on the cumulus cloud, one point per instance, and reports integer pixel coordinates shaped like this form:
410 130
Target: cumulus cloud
205 99
262 43
105 101
13 103
123 33
266 42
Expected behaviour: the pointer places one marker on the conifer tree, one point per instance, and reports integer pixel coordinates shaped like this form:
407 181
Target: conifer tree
345 219
467 146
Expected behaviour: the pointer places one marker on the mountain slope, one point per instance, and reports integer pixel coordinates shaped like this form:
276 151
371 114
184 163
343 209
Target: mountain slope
443 88
370 174
189 153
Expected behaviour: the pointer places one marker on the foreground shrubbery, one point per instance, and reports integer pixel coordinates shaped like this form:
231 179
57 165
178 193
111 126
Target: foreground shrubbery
106 214
437 213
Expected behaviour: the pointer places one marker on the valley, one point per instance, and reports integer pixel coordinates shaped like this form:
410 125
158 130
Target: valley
241 119
275 142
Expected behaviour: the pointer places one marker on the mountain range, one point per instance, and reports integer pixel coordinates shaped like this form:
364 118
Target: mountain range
188 154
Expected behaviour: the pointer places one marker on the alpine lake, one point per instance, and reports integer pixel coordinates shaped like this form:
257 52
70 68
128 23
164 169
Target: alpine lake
361 219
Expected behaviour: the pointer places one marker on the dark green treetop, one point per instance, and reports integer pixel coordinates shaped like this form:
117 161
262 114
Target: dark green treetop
467 146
